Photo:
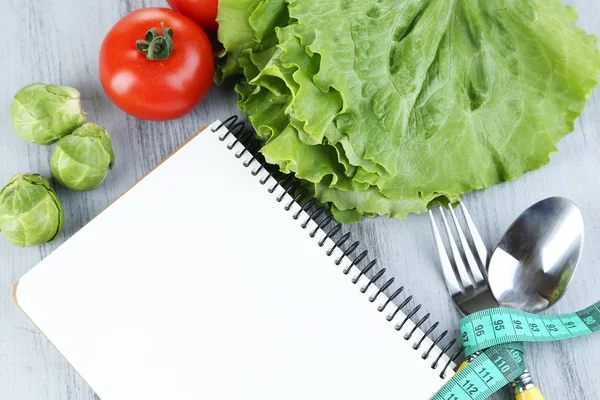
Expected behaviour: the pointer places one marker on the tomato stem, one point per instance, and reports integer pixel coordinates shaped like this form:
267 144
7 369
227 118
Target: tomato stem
155 46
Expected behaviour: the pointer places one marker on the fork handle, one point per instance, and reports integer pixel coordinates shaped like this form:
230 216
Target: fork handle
468 360
530 394
463 365
525 389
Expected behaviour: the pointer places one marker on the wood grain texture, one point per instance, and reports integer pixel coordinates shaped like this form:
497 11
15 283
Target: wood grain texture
58 41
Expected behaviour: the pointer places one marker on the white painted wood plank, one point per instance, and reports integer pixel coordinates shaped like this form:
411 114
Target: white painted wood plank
58 41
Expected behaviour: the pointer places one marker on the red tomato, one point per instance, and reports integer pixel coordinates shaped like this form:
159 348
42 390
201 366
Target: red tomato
171 84
204 12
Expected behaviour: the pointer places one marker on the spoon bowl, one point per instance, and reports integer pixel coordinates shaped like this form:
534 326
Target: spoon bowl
536 258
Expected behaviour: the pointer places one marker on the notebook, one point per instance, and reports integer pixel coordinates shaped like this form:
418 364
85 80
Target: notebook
212 279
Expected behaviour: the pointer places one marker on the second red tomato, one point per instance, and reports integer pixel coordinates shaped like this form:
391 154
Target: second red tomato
204 12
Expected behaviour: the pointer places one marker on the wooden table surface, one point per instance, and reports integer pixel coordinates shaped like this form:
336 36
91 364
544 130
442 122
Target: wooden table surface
58 41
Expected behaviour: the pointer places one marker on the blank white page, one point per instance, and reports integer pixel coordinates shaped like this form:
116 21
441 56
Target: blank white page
198 284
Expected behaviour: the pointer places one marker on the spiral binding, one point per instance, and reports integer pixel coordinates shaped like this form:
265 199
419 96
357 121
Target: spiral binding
250 144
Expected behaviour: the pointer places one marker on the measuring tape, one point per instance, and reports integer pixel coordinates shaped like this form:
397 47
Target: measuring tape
500 333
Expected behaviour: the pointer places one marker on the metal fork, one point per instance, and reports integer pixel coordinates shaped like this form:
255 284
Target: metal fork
465 271
466 277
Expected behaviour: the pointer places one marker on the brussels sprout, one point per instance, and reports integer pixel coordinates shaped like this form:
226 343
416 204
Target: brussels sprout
81 160
43 114
30 212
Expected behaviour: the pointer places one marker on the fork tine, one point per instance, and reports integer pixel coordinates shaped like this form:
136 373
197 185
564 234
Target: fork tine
480 248
472 265
449 274
463 275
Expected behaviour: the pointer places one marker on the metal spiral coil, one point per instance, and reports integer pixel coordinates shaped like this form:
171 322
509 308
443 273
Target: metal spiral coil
391 316
417 325
332 232
382 288
296 200
289 190
322 220
365 270
418 344
390 299
355 261
343 239
412 312
425 355
374 279
305 207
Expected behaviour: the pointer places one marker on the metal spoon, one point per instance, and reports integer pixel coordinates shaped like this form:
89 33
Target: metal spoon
534 262
537 256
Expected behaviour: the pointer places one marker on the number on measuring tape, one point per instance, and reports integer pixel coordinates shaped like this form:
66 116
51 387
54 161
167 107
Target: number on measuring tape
502 364
518 324
591 317
482 377
497 326
482 329
575 325
498 333
470 387
451 396
517 355
534 328
485 375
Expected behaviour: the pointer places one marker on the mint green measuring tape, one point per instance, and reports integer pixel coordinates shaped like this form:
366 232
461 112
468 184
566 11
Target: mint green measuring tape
499 333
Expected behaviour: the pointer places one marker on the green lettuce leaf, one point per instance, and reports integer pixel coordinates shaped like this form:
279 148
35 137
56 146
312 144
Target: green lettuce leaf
383 107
